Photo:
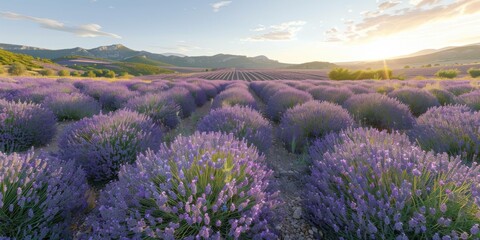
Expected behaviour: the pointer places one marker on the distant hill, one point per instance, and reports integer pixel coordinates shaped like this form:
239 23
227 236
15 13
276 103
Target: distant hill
7 58
91 64
445 56
146 60
119 52
313 65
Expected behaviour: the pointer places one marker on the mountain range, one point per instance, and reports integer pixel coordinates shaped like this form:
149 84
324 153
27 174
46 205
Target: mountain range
119 52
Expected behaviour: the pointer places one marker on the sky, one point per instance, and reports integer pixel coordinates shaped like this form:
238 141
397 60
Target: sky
292 31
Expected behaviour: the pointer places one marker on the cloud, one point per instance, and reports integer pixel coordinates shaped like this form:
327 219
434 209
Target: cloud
388 23
387 5
87 30
280 32
421 3
218 5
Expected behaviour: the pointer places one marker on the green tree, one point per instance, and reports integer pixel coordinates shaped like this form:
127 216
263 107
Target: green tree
449 73
63 73
75 74
89 74
46 72
109 74
17 69
474 72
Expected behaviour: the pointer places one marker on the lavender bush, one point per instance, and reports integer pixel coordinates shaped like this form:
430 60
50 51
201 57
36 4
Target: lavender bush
242 122
450 129
73 106
418 100
234 96
444 97
160 107
103 143
376 185
285 99
471 99
206 186
311 120
38 196
184 99
331 94
379 111
23 125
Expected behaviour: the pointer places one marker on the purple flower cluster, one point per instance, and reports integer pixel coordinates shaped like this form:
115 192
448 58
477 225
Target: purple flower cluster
471 99
37 94
72 106
418 100
23 125
444 97
110 95
158 106
103 143
283 100
459 89
311 120
184 99
243 122
451 129
234 96
380 111
336 95
206 186
38 196
197 92
378 185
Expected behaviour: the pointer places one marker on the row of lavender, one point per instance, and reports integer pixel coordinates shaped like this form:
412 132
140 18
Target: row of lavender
376 181
213 186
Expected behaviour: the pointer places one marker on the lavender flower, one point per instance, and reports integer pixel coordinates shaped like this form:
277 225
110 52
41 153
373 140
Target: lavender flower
38 196
23 125
73 106
283 100
159 106
379 111
311 120
155 198
450 129
362 177
103 143
243 123
419 101
184 99
234 96
331 94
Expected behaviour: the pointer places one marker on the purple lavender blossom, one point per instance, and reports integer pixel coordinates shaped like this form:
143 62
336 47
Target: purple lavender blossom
284 100
418 100
103 143
163 195
72 106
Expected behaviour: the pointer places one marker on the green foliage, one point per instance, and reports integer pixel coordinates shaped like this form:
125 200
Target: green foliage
135 69
75 74
47 72
17 69
109 74
406 67
346 74
63 73
89 74
474 72
447 73
8 58
145 60
1 69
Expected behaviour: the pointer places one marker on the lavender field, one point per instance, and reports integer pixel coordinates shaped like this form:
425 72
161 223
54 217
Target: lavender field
217 159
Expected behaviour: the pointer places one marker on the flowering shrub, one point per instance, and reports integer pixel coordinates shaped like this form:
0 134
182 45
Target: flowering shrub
74 106
162 109
39 93
444 97
419 101
379 111
206 186
196 91
376 185
283 100
312 120
450 129
358 89
184 99
103 143
471 99
234 96
38 196
331 94
23 125
111 96
459 89
242 122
